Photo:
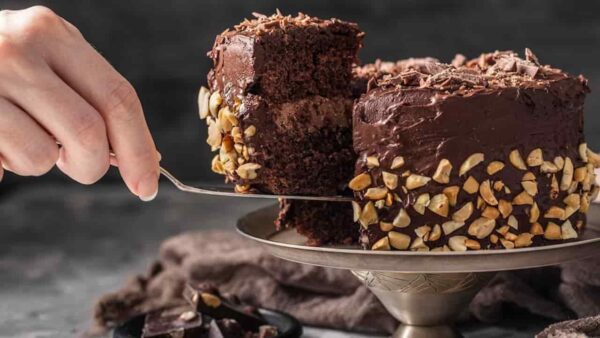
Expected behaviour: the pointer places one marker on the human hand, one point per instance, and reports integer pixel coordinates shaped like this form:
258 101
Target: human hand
56 89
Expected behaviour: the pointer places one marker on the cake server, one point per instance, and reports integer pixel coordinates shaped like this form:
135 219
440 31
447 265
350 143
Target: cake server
228 191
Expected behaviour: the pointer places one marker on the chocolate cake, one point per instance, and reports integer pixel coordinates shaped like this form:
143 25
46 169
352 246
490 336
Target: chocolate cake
331 222
280 103
486 153
483 154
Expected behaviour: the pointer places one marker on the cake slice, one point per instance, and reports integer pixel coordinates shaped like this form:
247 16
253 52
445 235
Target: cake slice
487 154
280 103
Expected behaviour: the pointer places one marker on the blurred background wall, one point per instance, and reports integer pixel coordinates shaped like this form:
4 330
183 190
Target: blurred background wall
160 46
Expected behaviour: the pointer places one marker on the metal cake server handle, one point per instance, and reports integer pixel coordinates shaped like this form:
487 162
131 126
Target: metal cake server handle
227 191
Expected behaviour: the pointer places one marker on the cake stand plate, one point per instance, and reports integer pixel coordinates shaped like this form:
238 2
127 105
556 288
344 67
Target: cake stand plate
425 291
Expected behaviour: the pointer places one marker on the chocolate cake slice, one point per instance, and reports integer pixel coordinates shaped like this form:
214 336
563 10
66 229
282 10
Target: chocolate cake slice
279 105
483 155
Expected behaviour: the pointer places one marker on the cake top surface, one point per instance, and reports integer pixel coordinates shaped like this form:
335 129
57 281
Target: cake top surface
500 69
389 67
372 72
263 25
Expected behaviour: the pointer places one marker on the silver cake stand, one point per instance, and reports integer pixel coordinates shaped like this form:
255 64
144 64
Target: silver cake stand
425 291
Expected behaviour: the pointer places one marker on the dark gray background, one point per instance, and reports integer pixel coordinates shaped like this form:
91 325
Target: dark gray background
160 46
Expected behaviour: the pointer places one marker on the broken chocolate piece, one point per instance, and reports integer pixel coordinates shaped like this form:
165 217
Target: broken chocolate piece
226 328
181 322
267 331
206 299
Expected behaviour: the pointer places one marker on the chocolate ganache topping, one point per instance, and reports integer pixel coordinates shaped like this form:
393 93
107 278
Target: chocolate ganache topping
495 103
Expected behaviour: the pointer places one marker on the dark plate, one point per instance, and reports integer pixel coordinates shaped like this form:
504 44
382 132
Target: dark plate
288 326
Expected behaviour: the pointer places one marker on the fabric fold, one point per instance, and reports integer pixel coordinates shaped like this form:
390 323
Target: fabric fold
333 298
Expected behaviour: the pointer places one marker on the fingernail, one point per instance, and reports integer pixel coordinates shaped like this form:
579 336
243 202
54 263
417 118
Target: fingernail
159 156
114 162
148 188
149 198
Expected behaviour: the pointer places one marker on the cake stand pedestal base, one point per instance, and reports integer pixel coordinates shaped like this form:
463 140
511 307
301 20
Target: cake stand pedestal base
415 331
426 303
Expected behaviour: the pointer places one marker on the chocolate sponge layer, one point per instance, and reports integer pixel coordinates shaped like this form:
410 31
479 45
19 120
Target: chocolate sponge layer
297 147
321 222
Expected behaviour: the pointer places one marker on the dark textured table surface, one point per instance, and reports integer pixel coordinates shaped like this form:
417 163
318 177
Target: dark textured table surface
63 245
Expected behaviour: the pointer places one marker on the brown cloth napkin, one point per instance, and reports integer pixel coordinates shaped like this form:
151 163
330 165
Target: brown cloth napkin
580 328
328 297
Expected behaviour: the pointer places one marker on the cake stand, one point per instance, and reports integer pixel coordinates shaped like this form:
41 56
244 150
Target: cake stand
425 291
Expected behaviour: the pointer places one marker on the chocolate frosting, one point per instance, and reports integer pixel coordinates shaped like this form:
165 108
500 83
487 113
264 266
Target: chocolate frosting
453 112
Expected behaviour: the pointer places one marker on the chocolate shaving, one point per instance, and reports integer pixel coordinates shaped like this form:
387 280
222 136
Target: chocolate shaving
497 69
506 64
427 66
527 69
409 78
262 24
372 83
459 60
454 78
258 16
529 56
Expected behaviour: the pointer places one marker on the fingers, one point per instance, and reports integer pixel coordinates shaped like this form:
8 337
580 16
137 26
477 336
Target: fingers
28 82
116 100
25 147
84 155
53 74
